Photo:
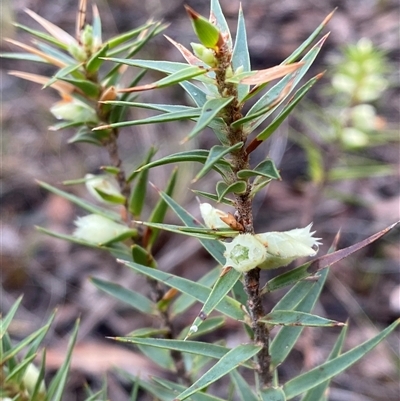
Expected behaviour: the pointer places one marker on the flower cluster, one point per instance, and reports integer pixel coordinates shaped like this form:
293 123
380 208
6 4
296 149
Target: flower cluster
267 250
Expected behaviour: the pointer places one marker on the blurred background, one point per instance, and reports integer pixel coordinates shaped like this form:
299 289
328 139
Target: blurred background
339 158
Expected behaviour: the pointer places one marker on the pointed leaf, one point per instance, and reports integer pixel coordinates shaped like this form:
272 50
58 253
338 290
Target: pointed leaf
63 72
217 152
217 17
227 306
179 76
161 357
214 197
187 54
6 320
43 36
296 318
161 118
335 366
240 56
226 364
81 203
317 392
287 337
89 88
214 248
210 111
124 37
134 299
96 60
243 389
208 326
57 385
267 132
272 394
266 168
219 291
238 187
159 211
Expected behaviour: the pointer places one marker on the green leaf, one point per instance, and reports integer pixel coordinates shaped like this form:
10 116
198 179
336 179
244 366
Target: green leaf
317 392
148 332
43 36
197 155
244 391
272 394
226 364
124 37
214 248
287 337
19 370
198 96
221 288
268 131
85 135
23 56
266 168
134 299
297 53
89 88
51 51
63 72
191 347
159 211
142 256
208 326
184 301
96 60
5 322
57 385
161 357
207 33
138 195
217 152
172 79
240 56
214 197
220 21
210 111
329 369
296 318
161 118
222 188
197 232
227 306
81 203
269 102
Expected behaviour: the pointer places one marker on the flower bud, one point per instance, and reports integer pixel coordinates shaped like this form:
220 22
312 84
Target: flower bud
104 189
284 247
212 216
77 52
31 377
244 253
87 38
204 54
74 110
100 230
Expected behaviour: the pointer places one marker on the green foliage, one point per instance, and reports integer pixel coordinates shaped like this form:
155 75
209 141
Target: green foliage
219 80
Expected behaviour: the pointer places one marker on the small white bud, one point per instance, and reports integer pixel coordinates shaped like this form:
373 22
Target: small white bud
74 110
31 377
204 54
104 189
98 229
212 216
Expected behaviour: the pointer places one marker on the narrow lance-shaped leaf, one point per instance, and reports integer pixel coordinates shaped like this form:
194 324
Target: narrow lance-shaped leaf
243 389
222 188
240 55
5 322
227 306
224 284
335 366
266 168
296 318
272 394
226 364
217 152
96 60
162 118
210 111
159 211
218 17
183 75
134 299
267 132
316 393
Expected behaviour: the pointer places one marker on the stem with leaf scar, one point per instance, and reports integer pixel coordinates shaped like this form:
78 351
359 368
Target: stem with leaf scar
244 214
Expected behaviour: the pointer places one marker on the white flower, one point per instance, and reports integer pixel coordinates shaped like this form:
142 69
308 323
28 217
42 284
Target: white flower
104 189
244 253
99 230
283 248
212 216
